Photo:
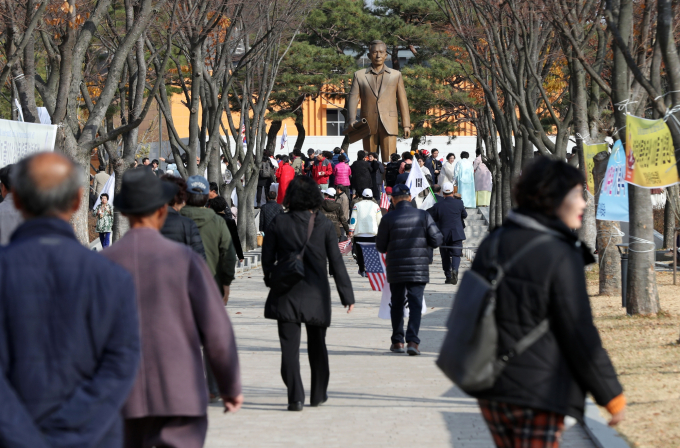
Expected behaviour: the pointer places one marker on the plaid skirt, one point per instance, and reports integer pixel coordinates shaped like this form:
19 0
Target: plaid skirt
518 427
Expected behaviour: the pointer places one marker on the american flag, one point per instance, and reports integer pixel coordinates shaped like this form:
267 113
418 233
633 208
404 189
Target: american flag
384 200
375 266
345 246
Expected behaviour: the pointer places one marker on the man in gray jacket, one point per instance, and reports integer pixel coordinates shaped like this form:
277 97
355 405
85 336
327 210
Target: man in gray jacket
178 313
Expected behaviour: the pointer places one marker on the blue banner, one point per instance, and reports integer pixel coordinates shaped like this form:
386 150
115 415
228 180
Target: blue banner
613 203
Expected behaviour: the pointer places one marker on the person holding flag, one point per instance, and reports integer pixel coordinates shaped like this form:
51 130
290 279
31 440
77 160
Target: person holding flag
449 215
407 235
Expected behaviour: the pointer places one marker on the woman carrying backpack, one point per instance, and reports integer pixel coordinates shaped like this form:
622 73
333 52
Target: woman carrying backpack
541 384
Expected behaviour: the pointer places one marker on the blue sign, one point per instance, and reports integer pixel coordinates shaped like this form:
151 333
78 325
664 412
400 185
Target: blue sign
613 203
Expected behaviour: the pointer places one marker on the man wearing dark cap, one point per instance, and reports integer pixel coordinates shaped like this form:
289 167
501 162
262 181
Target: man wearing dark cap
406 235
69 339
180 310
219 249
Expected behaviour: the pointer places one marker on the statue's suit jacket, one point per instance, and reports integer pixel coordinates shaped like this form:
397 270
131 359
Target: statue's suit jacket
379 105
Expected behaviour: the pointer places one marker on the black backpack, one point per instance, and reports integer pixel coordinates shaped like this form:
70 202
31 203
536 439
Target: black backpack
265 169
469 355
391 173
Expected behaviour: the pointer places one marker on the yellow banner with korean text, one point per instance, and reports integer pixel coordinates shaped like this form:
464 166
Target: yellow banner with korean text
650 157
589 152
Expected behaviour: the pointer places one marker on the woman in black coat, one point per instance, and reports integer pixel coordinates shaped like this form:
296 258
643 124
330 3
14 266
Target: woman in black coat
308 301
551 378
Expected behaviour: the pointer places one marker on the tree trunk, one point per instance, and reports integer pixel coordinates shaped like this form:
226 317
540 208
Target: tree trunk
642 294
493 204
670 215
299 125
274 129
506 190
607 238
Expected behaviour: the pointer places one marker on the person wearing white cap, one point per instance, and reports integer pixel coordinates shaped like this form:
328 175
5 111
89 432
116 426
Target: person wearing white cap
333 211
363 225
449 215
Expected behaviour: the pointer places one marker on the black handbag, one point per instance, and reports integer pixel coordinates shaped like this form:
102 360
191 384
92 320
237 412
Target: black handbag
288 273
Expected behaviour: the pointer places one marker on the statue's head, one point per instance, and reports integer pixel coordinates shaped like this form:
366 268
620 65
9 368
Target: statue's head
377 52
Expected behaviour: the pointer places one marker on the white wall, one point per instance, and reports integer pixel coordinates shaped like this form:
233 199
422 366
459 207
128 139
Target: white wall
444 144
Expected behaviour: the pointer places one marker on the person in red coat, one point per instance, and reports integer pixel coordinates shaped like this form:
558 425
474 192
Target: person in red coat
284 175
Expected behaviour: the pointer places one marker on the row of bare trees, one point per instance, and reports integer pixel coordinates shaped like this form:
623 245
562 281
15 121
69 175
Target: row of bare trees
98 65
551 71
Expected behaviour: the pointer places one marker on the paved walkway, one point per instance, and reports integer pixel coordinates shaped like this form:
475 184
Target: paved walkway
376 398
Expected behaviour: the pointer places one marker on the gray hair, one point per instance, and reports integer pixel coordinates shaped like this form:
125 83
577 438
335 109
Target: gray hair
38 202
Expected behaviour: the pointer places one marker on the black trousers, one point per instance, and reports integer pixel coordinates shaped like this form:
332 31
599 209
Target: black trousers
451 257
166 432
356 249
289 336
401 292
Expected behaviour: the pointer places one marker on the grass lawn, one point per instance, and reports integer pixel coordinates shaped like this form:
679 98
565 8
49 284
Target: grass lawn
646 355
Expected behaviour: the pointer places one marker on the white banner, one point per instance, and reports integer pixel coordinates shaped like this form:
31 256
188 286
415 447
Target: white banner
386 304
19 139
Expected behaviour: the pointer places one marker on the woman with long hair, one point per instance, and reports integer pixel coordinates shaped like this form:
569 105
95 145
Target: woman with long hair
309 300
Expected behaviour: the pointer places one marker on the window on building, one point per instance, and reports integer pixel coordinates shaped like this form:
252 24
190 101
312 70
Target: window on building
335 121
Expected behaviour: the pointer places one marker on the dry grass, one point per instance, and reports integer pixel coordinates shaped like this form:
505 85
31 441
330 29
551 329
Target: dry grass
647 358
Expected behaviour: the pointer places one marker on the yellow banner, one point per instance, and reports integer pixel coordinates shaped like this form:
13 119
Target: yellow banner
650 157
589 152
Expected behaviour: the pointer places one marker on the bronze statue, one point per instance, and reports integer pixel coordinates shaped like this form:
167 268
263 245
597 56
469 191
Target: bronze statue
380 88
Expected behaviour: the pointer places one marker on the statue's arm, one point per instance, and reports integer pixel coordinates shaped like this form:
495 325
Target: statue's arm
353 101
403 104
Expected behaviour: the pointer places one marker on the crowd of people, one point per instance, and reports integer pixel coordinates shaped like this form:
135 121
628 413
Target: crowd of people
132 356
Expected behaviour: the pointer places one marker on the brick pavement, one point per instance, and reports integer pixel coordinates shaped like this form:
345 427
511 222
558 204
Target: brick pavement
376 398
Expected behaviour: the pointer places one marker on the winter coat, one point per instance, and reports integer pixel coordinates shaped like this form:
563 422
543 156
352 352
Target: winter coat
343 200
449 214
219 249
366 216
433 165
265 174
104 223
406 235
183 230
448 171
391 173
180 310
100 180
233 231
69 342
342 172
361 176
284 175
557 371
298 165
333 211
267 213
483 176
309 301
377 171
321 171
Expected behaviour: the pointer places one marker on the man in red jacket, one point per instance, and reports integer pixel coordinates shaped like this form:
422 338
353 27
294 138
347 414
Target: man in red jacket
322 170
284 175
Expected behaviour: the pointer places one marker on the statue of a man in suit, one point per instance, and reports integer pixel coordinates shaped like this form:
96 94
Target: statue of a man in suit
380 88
